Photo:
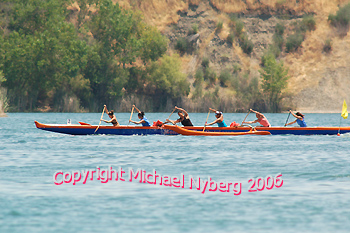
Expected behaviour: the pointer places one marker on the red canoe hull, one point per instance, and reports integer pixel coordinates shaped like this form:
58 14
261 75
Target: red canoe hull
187 132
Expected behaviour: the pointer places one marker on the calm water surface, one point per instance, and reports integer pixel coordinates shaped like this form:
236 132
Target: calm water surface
314 197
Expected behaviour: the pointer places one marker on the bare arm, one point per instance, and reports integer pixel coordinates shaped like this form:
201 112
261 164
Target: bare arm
173 122
256 112
250 122
106 110
220 119
290 123
182 110
111 121
136 109
253 111
212 123
137 122
298 117
213 110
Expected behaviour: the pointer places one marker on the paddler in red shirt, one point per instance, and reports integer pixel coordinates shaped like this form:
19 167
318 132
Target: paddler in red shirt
261 119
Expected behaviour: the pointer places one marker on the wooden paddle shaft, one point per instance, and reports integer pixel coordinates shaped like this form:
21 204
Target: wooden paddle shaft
206 121
245 117
171 113
132 111
287 120
103 111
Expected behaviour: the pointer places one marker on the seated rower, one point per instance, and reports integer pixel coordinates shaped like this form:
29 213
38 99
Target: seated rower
260 118
141 116
184 118
300 119
219 119
112 116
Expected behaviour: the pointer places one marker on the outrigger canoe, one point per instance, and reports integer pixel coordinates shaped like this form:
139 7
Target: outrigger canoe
86 129
279 130
187 132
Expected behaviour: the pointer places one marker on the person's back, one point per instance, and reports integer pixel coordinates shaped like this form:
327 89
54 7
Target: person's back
222 124
186 122
146 122
264 122
301 123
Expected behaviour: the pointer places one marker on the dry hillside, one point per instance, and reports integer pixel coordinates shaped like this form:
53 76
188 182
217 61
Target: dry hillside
319 81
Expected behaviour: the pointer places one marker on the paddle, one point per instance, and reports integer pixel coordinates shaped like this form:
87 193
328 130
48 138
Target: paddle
171 113
103 111
287 120
169 117
206 120
246 117
132 111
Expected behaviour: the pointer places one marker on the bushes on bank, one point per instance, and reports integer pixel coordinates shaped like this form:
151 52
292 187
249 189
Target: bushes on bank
225 77
327 47
341 18
246 44
219 26
181 45
230 38
294 41
237 32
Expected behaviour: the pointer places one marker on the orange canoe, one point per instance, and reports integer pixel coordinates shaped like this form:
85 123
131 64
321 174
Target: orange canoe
188 132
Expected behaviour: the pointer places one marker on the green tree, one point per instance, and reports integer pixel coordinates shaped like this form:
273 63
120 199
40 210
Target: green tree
198 83
84 10
154 44
166 81
274 80
41 53
121 39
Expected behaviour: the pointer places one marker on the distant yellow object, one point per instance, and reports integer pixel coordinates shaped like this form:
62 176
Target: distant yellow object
344 112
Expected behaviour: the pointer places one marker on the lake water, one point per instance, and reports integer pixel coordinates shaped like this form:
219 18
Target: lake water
314 195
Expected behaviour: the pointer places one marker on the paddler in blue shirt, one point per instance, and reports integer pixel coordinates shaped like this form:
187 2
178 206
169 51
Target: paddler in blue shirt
219 118
141 116
300 119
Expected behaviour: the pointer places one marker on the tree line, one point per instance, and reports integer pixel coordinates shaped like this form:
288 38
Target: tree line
107 53
56 59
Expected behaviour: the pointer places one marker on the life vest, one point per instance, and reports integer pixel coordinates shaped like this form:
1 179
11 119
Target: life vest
157 123
234 124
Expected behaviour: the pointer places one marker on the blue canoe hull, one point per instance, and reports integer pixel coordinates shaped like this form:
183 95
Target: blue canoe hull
91 129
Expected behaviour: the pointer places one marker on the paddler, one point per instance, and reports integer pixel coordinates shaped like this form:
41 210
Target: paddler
219 118
260 118
184 118
141 116
300 119
112 116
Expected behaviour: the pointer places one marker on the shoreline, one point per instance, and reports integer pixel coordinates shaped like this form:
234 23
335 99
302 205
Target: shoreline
302 111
